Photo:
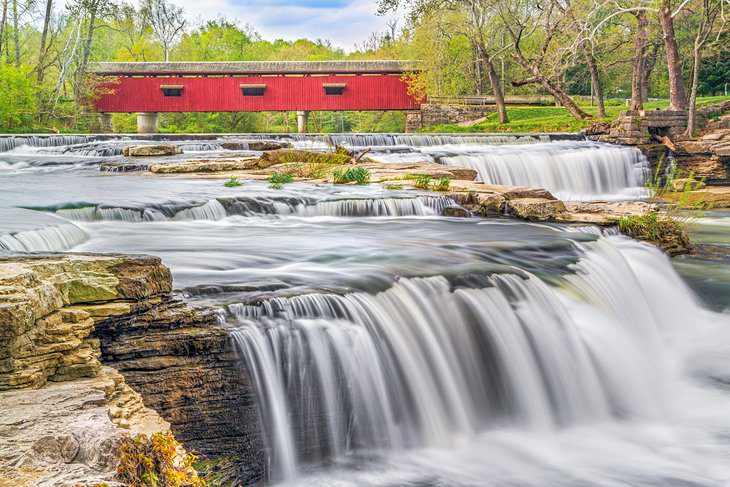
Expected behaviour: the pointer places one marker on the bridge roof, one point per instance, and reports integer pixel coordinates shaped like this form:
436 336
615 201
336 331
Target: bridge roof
254 67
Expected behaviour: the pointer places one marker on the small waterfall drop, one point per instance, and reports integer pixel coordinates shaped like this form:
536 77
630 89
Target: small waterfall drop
430 361
567 168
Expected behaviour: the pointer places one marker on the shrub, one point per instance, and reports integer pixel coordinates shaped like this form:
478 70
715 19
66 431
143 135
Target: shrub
233 182
663 231
358 175
394 186
442 184
155 461
281 178
420 181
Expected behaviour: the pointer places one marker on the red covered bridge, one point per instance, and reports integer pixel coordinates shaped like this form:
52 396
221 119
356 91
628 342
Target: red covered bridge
301 86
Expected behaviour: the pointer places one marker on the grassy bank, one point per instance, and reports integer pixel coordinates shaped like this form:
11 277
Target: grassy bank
553 119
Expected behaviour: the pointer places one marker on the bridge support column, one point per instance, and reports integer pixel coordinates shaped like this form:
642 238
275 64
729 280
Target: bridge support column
147 123
106 126
302 121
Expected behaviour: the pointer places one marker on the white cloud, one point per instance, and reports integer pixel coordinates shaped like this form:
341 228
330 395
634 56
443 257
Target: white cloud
344 22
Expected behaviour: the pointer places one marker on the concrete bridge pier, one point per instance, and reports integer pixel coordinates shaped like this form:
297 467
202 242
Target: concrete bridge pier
147 123
302 121
106 126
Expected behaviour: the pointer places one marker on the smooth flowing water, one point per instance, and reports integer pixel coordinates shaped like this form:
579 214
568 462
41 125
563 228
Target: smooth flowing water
390 346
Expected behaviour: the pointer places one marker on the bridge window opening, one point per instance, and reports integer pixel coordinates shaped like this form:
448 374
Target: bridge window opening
253 89
172 90
334 88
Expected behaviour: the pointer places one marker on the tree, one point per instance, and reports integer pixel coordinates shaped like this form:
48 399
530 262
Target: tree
711 21
478 27
167 21
523 20
40 68
677 92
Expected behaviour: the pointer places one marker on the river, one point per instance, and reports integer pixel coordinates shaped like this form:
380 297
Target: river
393 346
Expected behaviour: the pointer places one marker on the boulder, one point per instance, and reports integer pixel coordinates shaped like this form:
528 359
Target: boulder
151 150
539 209
456 211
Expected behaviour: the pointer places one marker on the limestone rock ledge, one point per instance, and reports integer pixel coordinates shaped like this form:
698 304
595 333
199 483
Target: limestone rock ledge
64 320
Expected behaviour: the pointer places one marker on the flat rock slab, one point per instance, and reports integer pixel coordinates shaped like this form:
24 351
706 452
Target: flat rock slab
205 166
151 150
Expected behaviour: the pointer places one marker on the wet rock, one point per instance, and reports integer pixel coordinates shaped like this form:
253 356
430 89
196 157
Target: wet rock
481 203
455 211
151 150
539 209
122 167
267 145
205 166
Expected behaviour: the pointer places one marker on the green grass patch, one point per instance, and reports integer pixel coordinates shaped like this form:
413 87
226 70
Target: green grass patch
358 175
394 187
233 182
553 119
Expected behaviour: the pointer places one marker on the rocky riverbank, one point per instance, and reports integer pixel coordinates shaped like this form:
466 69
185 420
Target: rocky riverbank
94 347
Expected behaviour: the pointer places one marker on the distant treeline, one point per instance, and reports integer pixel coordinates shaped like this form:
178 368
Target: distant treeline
563 48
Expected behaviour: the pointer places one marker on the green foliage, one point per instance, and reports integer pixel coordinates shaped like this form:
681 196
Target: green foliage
393 186
420 181
17 98
359 175
156 461
279 179
442 184
314 157
233 182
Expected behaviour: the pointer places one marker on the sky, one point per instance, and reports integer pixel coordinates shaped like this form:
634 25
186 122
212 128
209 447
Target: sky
344 22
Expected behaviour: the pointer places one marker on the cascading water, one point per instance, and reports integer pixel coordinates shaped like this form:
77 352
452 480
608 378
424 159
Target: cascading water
420 351
568 169
428 360
277 207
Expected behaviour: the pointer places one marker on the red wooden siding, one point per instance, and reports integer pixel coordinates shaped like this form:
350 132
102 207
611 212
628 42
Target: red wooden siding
223 94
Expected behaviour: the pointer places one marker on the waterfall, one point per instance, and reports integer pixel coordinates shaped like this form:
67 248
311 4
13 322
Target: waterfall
565 168
415 140
421 206
429 361
264 206
11 142
55 238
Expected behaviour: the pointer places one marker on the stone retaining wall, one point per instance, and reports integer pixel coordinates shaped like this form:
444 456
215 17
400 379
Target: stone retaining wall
430 115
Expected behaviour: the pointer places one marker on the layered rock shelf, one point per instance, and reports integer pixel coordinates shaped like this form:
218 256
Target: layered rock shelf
102 348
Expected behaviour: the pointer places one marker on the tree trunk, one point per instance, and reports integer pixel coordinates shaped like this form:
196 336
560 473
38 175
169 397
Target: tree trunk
595 81
560 96
637 101
677 92
3 20
87 50
40 69
692 115
564 99
649 63
496 88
